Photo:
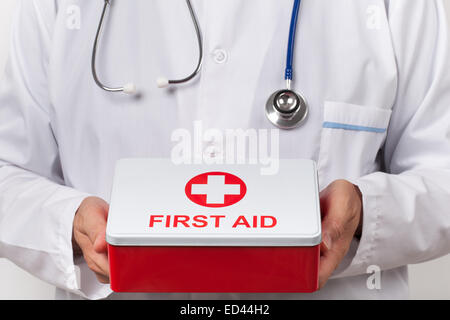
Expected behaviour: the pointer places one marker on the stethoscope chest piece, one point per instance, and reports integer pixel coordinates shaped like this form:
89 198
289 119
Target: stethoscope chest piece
286 109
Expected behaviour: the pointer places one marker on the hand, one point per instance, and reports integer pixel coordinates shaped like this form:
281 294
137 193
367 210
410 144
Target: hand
89 227
341 205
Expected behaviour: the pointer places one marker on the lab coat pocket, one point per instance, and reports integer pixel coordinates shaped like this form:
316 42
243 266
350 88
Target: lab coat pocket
352 136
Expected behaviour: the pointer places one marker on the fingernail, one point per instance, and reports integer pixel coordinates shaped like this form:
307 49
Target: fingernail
327 241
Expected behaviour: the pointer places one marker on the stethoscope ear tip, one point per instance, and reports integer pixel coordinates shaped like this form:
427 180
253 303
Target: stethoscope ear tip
162 82
129 88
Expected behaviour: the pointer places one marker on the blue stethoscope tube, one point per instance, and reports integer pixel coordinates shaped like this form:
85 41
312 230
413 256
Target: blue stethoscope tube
286 108
291 43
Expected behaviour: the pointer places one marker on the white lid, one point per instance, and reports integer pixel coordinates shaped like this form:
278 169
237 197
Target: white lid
147 191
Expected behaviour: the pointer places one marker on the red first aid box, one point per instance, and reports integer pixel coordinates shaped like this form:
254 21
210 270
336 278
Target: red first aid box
214 228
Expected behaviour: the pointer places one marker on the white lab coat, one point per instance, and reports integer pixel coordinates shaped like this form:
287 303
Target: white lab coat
367 64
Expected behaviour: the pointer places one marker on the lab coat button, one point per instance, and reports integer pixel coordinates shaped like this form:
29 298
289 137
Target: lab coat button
212 150
220 56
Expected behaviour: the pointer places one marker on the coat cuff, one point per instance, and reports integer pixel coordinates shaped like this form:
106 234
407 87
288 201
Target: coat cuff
78 279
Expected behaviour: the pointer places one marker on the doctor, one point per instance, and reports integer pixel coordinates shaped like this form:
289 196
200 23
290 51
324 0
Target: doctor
375 74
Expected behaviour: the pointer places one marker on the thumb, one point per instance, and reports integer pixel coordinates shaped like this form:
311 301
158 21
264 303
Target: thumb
331 232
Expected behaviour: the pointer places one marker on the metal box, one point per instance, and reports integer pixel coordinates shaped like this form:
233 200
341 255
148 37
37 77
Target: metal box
213 228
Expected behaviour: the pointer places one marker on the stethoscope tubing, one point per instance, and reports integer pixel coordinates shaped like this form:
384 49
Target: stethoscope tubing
291 44
198 67
198 32
285 109
94 53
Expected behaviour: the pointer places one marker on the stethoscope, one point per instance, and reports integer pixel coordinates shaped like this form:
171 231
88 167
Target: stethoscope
285 108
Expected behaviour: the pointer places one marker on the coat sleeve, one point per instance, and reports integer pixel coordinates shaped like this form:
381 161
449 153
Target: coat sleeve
36 209
407 210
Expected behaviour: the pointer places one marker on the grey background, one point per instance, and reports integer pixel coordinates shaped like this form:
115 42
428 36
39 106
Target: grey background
429 280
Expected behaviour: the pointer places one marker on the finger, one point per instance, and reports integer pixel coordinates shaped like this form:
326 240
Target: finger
102 279
95 226
331 259
328 263
92 265
100 245
332 230
331 256
101 261
332 247
326 244
97 262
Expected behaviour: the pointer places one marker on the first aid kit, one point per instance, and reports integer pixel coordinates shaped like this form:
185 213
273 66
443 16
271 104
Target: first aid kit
214 228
